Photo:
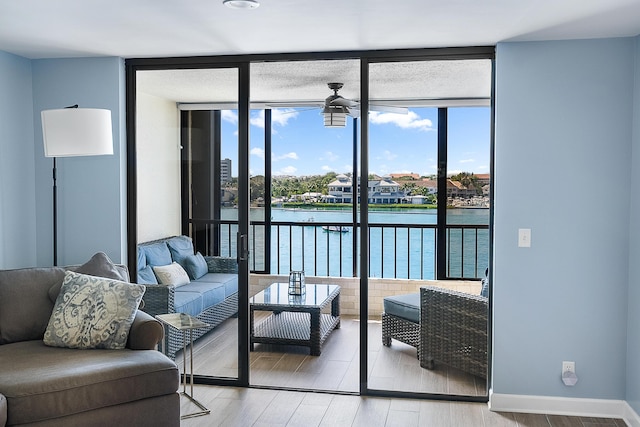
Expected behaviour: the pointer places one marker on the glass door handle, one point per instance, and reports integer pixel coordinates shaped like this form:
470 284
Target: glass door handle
243 247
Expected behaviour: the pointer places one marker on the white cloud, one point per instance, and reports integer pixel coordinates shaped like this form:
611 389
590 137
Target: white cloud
411 120
467 160
292 155
326 168
279 116
387 155
329 156
258 152
287 170
229 116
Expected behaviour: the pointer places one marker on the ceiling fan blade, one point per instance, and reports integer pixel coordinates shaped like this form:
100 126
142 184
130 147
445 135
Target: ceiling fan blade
354 112
343 102
388 109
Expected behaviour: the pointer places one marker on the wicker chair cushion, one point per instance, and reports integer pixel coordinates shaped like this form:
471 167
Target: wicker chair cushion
406 306
157 254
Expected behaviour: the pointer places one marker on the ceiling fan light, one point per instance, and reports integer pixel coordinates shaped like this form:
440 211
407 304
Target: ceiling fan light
334 119
241 4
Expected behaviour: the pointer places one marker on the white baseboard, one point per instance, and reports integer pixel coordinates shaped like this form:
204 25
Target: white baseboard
603 408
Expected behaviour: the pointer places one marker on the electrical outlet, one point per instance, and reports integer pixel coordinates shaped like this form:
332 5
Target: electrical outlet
568 367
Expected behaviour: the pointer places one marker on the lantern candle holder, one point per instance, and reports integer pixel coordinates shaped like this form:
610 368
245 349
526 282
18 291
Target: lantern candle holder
296 283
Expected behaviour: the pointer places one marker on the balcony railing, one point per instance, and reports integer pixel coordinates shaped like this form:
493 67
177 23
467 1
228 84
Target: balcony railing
406 251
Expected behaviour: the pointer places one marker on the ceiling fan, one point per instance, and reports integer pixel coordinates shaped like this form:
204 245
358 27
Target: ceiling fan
336 108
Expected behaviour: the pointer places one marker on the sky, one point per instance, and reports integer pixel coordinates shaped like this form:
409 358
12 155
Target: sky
399 143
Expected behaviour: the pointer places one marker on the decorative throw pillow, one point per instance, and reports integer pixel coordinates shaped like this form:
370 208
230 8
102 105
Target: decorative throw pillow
93 312
147 277
99 265
157 253
196 266
181 247
172 274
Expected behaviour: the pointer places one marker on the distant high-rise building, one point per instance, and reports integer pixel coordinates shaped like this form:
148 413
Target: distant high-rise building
225 170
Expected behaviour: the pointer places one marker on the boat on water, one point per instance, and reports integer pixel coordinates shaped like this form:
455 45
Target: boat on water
336 228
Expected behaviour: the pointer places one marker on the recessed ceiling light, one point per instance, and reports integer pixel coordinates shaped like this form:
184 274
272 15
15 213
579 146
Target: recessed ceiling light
241 4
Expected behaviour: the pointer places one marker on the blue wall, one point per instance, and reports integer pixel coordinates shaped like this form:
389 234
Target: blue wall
90 189
563 169
633 323
17 181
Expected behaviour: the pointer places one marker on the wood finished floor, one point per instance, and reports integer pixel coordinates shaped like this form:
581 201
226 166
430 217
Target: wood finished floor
336 369
244 407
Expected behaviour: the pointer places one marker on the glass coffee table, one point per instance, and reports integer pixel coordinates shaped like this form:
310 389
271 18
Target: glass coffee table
295 319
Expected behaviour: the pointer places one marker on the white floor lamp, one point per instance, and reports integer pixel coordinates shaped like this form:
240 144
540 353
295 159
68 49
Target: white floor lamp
71 132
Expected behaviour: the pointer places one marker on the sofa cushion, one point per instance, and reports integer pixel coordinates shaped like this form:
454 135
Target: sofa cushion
93 312
146 276
142 259
230 281
406 306
25 306
180 247
172 274
196 266
212 293
157 254
99 265
75 381
188 302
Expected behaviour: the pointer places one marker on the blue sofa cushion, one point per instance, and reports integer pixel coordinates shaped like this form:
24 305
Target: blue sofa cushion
406 306
146 276
187 302
181 247
157 254
229 280
142 259
211 293
196 266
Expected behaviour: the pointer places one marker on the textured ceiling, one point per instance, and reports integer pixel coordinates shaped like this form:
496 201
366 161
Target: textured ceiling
304 82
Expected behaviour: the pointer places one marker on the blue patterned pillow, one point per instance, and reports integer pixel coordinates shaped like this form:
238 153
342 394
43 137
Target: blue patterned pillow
196 266
93 312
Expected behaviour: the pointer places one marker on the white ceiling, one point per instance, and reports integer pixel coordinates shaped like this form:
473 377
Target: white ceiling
159 28
165 28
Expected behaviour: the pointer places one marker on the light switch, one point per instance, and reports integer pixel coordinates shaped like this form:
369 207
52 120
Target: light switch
524 237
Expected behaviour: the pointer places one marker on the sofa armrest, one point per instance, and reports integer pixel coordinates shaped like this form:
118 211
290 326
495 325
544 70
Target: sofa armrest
219 264
145 333
3 411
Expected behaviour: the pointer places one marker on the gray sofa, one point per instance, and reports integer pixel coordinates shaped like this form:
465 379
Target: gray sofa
42 385
211 293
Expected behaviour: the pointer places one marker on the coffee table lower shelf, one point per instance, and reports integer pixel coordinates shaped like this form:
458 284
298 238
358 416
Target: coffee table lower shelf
294 328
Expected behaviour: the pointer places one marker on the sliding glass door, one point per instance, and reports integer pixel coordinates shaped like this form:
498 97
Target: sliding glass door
191 151
428 151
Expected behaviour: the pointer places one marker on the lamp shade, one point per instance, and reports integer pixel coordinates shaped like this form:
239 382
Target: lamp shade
69 132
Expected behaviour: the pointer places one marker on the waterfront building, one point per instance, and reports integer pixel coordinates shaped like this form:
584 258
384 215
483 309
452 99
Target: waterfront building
381 190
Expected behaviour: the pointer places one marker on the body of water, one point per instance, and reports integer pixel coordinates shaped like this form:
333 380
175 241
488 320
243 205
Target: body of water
405 250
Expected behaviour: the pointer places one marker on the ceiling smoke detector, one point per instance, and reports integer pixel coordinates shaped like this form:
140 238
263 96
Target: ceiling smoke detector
241 4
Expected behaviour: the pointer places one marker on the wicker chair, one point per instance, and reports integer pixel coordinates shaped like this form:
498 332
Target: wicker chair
453 330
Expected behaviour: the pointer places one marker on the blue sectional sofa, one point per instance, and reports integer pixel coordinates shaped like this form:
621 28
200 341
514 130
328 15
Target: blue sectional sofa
210 294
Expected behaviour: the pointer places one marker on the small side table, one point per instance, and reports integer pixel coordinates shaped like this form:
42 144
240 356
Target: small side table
184 322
